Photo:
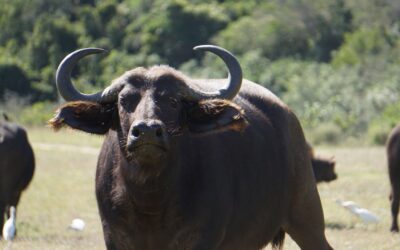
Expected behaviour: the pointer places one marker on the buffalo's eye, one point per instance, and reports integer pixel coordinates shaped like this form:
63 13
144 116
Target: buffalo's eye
173 102
129 102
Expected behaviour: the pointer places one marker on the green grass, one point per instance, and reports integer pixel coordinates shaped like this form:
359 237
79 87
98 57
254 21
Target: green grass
64 136
63 189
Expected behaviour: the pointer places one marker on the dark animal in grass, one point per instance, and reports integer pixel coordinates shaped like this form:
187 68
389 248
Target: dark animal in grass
393 158
17 165
195 164
323 168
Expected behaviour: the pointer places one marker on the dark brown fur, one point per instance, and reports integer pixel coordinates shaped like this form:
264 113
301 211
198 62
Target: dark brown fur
323 167
95 116
17 165
224 174
393 158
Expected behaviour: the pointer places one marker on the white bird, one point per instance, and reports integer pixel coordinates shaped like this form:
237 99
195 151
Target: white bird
364 214
77 224
9 226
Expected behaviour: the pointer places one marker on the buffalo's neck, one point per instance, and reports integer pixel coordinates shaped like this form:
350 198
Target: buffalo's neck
150 197
147 196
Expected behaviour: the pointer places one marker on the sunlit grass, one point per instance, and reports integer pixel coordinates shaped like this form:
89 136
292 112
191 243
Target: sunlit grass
64 136
63 189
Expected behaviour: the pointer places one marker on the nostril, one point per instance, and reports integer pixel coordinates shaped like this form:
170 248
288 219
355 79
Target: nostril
159 132
136 132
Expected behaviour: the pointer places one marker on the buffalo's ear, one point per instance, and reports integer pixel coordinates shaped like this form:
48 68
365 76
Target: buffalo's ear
215 116
89 117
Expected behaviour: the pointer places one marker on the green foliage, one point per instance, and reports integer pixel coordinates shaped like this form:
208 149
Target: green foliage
326 133
276 36
391 114
91 22
13 78
51 39
360 45
378 132
19 17
38 114
295 29
44 85
329 29
382 125
349 97
175 27
335 63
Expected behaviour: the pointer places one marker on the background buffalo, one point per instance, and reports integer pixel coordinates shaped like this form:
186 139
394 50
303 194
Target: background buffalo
17 165
393 158
323 167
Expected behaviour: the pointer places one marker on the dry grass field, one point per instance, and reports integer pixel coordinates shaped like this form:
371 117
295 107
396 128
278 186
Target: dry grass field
63 189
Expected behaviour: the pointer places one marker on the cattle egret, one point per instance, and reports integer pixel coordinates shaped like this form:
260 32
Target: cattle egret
9 226
77 224
364 214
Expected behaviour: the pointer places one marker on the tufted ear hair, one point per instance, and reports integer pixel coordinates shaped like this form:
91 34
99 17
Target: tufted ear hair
215 115
86 116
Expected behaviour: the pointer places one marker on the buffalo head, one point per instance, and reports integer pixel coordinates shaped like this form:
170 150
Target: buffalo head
150 107
324 169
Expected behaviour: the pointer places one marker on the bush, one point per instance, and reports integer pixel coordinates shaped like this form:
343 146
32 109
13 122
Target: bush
378 133
350 97
13 78
276 36
174 30
12 104
38 114
360 45
381 126
325 133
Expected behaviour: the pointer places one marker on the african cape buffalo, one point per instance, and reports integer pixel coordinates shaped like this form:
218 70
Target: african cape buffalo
17 165
194 163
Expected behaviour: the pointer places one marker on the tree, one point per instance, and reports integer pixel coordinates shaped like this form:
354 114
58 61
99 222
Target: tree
50 42
180 26
13 78
280 33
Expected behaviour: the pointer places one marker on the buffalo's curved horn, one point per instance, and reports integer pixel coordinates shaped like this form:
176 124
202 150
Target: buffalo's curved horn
235 76
65 86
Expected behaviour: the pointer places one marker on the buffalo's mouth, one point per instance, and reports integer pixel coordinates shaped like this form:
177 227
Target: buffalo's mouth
147 146
147 151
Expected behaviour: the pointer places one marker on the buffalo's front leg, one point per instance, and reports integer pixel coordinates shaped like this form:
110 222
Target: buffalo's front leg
395 200
107 232
2 213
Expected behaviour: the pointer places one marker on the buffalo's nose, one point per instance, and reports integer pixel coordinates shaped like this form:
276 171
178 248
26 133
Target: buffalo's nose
147 130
